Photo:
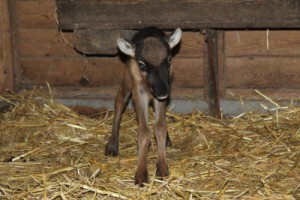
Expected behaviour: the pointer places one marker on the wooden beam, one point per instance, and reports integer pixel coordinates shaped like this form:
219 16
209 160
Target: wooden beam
6 59
96 41
99 41
212 58
215 14
100 71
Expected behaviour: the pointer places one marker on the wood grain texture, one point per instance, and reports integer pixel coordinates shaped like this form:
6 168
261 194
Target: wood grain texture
104 42
188 72
50 42
213 54
69 72
255 60
247 65
263 72
6 58
97 41
82 14
46 43
191 45
36 14
251 43
100 72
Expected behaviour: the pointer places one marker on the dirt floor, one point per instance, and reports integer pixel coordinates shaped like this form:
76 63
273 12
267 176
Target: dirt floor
49 151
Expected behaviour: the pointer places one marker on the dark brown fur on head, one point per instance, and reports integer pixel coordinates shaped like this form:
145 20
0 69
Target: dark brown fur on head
154 51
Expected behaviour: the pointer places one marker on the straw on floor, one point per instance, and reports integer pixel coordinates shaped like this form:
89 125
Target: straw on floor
49 151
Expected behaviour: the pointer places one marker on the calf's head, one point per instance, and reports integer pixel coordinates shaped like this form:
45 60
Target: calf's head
151 50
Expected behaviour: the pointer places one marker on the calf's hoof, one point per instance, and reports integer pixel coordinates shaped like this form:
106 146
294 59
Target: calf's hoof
162 171
141 178
111 149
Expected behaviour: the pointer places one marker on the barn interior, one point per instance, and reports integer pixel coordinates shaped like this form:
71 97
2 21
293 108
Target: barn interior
233 117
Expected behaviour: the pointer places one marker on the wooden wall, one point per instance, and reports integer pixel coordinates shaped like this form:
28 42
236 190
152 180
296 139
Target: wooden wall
45 54
265 60
252 60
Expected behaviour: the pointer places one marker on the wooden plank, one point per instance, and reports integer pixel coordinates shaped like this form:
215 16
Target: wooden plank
69 72
36 14
275 94
50 42
93 14
6 59
97 41
188 72
99 72
100 41
191 45
262 72
104 42
46 43
268 43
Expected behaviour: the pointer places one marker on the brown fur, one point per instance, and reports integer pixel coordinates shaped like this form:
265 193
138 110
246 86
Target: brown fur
154 52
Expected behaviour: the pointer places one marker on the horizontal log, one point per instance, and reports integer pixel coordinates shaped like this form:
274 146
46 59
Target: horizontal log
262 43
46 43
96 72
188 72
104 42
72 71
99 41
262 72
132 14
50 42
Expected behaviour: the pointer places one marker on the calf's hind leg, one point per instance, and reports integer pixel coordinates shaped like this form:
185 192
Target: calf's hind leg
112 147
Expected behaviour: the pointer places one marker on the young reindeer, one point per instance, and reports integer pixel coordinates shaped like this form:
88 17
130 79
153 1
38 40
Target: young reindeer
146 78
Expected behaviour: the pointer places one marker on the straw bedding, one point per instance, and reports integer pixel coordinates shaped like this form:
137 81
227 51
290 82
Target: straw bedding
49 151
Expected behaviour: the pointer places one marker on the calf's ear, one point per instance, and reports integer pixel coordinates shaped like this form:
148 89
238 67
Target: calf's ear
126 47
174 39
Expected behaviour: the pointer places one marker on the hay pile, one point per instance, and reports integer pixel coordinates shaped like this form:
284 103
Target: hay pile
48 151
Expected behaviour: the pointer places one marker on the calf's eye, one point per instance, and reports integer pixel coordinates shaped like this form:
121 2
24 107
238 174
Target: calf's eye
169 60
142 66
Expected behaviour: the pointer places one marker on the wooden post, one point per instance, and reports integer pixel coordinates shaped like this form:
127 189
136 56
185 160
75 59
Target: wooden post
212 56
6 57
16 70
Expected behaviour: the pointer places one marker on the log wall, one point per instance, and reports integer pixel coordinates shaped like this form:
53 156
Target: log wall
47 55
268 61
265 60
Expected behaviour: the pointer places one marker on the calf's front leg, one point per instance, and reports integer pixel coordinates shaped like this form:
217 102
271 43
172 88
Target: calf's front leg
161 138
141 100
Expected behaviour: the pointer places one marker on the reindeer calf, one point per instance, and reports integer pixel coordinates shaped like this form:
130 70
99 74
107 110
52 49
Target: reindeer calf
147 77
